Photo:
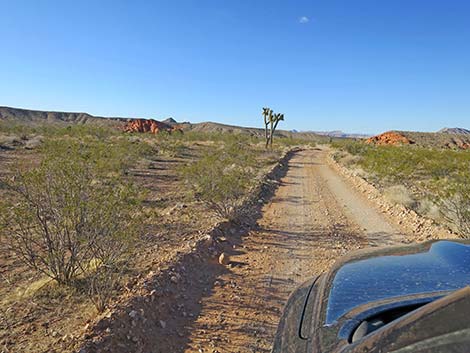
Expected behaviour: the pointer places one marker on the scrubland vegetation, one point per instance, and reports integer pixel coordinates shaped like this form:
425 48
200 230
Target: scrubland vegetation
73 216
434 182
85 209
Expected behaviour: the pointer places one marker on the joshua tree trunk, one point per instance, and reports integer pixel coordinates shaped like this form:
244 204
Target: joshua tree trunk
266 123
272 133
266 113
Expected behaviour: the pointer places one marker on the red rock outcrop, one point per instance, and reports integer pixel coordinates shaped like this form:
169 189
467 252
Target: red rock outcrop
150 125
389 138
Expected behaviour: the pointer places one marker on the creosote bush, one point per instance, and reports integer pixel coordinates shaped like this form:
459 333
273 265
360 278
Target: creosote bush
73 215
221 177
454 201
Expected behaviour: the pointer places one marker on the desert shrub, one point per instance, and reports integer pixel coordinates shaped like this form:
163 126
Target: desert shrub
170 145
113 155
429 208
292 141
356 148
400 195
453 197
56 130
349 160
226 138
16 128
101 284
405 163
10 141
71 215
220 178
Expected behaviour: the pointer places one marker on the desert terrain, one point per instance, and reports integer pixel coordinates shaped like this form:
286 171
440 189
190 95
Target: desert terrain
198 279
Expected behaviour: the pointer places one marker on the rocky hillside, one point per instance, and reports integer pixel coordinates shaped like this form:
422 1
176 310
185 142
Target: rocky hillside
454 130
390 138
423 139
36 117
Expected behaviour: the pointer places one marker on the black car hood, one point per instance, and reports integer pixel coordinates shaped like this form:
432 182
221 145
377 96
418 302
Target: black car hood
445 266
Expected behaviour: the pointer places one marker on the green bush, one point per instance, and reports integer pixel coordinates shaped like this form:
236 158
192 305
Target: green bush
222 177
52 130
72 215
170 145
399 163
453 197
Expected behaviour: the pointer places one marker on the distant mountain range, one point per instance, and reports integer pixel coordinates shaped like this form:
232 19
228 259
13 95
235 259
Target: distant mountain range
339 133
37 117
336 133
454 130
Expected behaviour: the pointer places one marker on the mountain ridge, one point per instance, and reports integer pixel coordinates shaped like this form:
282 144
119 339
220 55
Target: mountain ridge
36 117
454 130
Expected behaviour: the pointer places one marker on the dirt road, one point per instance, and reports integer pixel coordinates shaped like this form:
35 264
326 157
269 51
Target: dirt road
314 218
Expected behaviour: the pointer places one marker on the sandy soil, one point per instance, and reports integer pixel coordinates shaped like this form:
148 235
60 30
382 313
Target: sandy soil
313 218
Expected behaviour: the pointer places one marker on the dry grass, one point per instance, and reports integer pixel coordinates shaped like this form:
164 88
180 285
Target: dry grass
399 194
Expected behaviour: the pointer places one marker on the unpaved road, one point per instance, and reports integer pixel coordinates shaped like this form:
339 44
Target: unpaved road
314 218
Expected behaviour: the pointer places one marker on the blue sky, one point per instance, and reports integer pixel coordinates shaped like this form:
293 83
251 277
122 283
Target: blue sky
355 65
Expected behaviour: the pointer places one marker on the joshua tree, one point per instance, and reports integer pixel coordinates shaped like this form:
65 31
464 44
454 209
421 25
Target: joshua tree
271 120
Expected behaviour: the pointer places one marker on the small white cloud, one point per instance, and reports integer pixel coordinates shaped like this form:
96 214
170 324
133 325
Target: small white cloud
304 19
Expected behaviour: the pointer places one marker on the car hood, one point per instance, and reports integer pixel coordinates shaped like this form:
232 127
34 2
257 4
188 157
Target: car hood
434 267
